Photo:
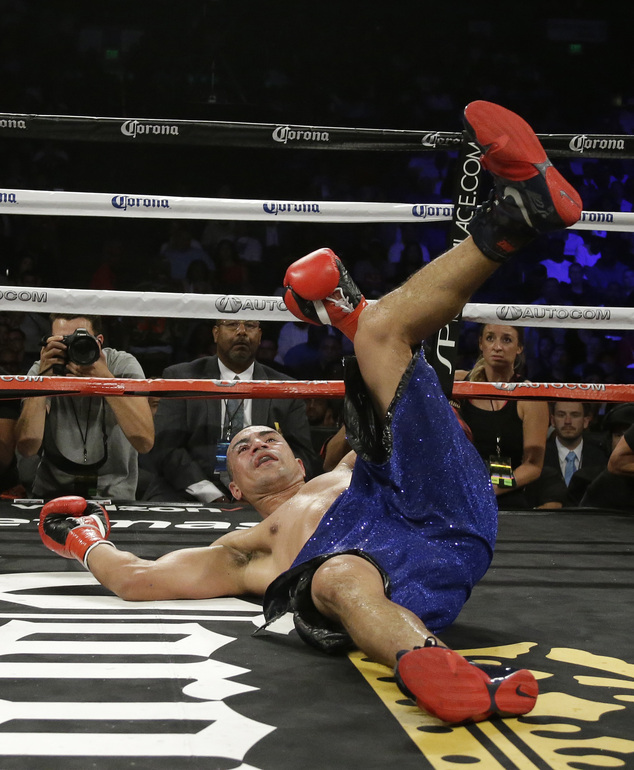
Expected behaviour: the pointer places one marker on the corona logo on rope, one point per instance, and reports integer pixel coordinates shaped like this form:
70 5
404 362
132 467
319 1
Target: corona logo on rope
285 134
435 139
583 142
578 690
597 216
134 128
12 123
124 202
423 211
290 208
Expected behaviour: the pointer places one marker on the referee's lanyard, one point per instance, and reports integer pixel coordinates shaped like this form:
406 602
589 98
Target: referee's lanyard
223 445
229 418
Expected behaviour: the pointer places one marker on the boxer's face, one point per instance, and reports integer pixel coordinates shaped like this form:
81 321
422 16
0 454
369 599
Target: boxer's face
261 462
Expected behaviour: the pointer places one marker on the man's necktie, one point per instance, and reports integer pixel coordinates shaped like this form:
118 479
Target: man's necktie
571 459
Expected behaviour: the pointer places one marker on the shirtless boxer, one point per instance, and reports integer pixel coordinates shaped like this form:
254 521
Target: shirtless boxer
382 552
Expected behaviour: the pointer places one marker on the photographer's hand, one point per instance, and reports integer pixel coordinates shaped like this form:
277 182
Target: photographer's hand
52 354
29 429
98 369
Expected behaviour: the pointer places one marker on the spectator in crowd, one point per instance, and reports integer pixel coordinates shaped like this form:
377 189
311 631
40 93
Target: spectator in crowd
321 358
199 278
556 262
34 326
9 413
628 287
538 365
551 293
611 266
585 250
412 257
268 353
15 343
613 295
324 418
88 445
579 291
573 451
613 488
593 347
560 365
292 333
510 435
592 373
232 272
181 249
10 361
323 412
107 273
191 433
195 341
151 342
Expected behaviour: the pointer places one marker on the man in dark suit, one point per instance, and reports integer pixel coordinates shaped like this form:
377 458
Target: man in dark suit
613 488
190 432
572 450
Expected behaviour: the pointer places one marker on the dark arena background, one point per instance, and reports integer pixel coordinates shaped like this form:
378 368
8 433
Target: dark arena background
287 103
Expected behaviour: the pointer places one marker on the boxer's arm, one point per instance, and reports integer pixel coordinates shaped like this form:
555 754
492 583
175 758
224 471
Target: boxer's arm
192 573
335 449
347 461
622 458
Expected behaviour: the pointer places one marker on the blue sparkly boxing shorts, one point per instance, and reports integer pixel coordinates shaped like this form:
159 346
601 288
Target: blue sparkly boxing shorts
424 515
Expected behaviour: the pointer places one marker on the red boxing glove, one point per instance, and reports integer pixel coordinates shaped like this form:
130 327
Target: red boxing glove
319 290
72 527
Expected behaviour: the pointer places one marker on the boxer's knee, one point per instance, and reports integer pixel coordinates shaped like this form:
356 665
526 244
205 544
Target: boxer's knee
342 582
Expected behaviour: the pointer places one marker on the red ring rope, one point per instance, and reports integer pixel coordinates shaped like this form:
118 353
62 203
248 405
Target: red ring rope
23 386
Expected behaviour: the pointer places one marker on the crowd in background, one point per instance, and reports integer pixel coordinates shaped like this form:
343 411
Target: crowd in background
184 69
120 62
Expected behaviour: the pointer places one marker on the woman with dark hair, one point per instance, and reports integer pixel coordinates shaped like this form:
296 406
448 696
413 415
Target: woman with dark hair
509 435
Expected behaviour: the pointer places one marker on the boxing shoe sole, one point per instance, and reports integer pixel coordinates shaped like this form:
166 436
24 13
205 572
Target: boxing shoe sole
512 151
447 686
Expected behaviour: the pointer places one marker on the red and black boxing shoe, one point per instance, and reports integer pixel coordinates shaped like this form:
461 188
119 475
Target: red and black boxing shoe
530 196
449 687
71 527
319 290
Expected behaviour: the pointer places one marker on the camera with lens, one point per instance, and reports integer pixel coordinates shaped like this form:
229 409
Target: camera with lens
81 348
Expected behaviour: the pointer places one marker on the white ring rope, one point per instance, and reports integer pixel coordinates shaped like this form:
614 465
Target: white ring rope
253 308
81 204
177 207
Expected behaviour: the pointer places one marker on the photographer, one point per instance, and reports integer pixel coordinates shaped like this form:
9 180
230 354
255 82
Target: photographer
86 445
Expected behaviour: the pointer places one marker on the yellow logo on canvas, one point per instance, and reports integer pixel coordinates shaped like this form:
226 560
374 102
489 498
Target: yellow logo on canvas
552 734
